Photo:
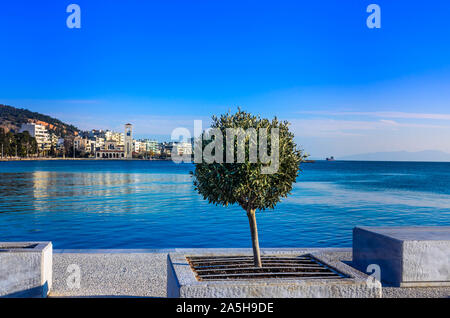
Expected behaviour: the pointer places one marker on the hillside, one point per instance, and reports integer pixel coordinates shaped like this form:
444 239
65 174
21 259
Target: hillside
12 118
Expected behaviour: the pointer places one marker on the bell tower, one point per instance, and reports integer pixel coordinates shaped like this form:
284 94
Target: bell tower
128 141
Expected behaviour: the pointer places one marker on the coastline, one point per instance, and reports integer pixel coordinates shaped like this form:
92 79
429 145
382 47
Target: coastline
75 159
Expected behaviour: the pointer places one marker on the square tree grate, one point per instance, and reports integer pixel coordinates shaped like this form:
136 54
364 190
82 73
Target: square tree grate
242 267
17 246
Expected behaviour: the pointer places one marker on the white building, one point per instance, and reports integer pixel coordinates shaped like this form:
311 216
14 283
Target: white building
152 145
147 145
40 133
99 142
110 154
182 148
137 146
115 136
84 144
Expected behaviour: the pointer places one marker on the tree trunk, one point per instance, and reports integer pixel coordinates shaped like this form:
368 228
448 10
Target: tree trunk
255 243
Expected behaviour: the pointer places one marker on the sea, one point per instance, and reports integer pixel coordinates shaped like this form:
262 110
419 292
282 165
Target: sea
137 204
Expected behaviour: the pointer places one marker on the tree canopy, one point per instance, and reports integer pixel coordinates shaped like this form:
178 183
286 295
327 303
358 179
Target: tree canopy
23 143
244 183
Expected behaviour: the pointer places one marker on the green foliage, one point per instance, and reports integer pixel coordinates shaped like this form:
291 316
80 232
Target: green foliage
22 142
244 183
17 116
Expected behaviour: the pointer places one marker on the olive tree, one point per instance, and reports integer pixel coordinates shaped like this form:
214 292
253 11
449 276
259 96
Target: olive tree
243 178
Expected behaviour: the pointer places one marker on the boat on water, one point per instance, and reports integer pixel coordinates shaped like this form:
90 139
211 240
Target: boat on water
330 159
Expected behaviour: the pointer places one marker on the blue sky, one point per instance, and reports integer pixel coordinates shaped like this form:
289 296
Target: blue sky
347 89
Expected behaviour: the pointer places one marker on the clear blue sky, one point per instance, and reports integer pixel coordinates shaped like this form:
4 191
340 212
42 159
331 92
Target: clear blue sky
160 64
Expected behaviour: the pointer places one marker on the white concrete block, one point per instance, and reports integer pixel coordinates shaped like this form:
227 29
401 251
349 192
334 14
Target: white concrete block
407 256
25 269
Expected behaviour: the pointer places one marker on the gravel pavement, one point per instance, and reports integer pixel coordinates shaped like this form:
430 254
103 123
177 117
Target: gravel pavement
142 273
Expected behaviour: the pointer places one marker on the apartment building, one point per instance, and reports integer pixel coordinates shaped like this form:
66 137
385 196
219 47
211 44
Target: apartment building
84 144
40 133
119 138
182 148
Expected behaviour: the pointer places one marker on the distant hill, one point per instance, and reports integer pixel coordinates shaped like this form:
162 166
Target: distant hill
11 119
426 155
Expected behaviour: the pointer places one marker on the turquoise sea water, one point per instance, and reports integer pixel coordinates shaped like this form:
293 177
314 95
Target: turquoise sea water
152 204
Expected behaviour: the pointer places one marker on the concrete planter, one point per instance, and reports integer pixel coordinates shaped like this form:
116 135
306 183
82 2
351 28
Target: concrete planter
182 282
25 269
407 256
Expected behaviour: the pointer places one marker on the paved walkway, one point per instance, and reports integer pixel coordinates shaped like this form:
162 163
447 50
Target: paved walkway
142 273
110 274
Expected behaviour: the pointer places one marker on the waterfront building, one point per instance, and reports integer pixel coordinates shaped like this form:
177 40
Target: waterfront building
143 147
53 141
40 133
128 141
166 148
99 142
182 148
110 154
115 136
137 146
90 145
84 144
152 146
77 141
113 145
149 146
110 150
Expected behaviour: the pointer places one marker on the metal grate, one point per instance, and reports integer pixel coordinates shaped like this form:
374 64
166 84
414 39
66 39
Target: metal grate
17 246
242 267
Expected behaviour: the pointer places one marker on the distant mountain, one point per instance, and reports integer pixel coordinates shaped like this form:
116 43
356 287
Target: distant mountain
11 119
426 155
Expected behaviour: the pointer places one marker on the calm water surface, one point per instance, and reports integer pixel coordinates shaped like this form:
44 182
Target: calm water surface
150 204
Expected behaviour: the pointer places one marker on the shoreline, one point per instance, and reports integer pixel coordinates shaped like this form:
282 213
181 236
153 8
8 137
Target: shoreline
170 159
76 159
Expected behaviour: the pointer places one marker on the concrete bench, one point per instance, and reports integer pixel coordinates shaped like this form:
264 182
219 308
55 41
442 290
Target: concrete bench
407 256
25 269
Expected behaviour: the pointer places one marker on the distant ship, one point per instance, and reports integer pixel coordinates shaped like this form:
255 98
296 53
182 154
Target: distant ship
330 159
